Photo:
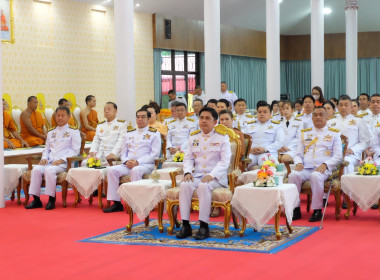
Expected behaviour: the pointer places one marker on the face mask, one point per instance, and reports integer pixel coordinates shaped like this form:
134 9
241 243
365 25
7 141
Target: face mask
316 97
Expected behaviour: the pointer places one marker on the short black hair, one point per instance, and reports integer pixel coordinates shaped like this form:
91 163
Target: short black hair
198 100
368 98
63 108
30 98
240 100
226 112
223 82
319 107
298 102
274 102
330 103
89 98
308 96
157 107
180 104
344 97
288 102
264 104
61 101
112 103
375 95
225 101
198 87
211 110
143 110
212 100
259 103
357 102
333 98
171 91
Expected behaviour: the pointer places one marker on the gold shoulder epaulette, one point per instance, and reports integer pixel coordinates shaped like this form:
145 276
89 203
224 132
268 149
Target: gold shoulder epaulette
362 115
255 116
276 122
359 116
220 129
299 115
123 121
234 115
333 117
230 91
251 122
152 129
172 120
52 128
334 129
190 119
195 132
336 113
101 122
297 120
249 116
73 127
132 129
306 129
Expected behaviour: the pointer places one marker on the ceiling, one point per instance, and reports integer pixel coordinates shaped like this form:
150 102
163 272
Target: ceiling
294 14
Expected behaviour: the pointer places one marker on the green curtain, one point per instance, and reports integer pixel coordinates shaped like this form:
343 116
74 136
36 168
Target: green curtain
157 74
295 78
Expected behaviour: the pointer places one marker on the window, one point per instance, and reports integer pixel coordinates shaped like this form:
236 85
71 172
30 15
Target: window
180 72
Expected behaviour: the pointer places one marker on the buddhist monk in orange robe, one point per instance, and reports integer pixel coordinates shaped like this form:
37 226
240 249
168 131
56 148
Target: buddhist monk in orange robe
12 139
32 124
89 118
65 103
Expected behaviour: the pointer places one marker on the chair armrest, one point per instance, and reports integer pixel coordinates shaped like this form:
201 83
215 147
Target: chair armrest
71 160
232 178
173 176
287 166
111 160
157 161
30 160
245 162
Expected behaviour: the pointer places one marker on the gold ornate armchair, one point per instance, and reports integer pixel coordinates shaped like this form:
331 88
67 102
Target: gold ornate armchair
245 161
220 197
333 180
61 177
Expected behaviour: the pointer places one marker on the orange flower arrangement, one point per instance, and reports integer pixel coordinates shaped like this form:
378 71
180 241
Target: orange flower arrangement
265 177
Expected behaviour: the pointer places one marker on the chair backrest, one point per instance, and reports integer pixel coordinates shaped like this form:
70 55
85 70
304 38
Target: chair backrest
83 142
76 116
163 146
235 150
248 145
16 113
48 114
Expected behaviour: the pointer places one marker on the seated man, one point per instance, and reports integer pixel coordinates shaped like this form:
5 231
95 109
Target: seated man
223 104
63 102
32 124
354 128
241 118
318 153
12 139
208 154
197 106
62 142
173 112
89 118
173 98
140 147
267 136
308 103
292 128
179 131
109 136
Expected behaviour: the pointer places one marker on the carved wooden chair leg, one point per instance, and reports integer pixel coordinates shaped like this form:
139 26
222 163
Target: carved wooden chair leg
243 226
91 199
355 208
169 209
130 213
19 192
227 218
160 213
308 203
13 196
64 194
290 229
26 192
76 193
235 220
348 202
175 211
146 221
100 196
277 224
337 205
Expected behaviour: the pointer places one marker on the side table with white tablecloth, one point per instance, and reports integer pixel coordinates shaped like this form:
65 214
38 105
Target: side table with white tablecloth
259 204
251 176
142 196
364 190
12 179
86 181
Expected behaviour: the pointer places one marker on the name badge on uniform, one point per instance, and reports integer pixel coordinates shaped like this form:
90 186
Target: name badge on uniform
101 130
66 135
195 142
333 124
270 126
146 136
327 153
308 138
115 127
327 138
352 122
295 125
54 135
214 144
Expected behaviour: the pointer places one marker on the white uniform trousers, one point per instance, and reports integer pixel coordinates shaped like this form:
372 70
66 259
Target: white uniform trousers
204 195
352 162
317 181
258 159
50 174
115 172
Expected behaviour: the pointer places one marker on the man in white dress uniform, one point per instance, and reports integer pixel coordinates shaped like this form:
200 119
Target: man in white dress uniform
227 94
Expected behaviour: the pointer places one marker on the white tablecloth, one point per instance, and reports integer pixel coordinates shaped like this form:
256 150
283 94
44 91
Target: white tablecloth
364 190
143 195
258 205
12 174
165 173
26 151
168 164
86 180
251 176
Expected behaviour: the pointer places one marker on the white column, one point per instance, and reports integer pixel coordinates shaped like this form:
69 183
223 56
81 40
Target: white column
273 50
352 48
317 44
212 48
2 187
125 59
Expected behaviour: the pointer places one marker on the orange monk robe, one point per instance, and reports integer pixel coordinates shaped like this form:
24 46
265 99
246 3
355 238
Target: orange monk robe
92 119
9 126
71 121
38 123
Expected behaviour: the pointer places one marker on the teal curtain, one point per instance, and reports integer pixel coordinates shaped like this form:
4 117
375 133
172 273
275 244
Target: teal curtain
335 78
157 74
295 78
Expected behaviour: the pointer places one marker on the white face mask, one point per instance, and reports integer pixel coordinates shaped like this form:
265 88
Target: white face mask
316 97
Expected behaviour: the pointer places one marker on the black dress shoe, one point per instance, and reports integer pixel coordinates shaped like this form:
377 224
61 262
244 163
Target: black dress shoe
184 232
375 206
344 205
297 213
202 233
324 202
317 216
51 203
36 203
116 207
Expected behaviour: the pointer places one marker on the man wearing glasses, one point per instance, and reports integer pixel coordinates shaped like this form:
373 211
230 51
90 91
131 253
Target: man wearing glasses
140 148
